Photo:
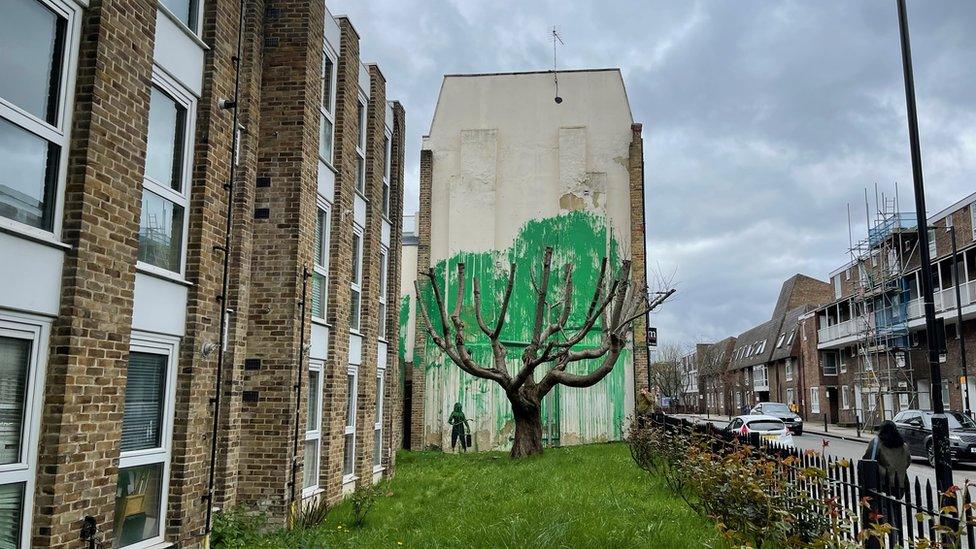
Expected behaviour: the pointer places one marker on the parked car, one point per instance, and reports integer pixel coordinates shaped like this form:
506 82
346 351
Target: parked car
779 410
769 427
915 427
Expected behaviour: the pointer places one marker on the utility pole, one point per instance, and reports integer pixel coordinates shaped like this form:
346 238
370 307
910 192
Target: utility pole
940 424
962 342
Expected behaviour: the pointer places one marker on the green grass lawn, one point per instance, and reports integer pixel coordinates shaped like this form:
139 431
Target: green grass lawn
582 496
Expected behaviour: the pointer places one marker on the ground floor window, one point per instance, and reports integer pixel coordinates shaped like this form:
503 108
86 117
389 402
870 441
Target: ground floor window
815 400
147 430
349 443
378 421
313 428
23 341
845 397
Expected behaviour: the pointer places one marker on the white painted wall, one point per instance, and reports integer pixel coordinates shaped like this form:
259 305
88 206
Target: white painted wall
501 140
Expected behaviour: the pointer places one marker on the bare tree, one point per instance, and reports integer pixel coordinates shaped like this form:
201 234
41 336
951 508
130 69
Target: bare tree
614 308
667 372
710 358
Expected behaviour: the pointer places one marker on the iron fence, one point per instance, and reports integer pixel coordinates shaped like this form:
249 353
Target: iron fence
898 516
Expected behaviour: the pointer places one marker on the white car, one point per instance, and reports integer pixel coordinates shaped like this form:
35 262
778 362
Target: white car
769 428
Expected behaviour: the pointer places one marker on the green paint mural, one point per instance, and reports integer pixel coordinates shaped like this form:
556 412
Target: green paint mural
402 344
569 415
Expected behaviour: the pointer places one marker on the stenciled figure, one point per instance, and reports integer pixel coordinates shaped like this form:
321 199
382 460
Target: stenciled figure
458 423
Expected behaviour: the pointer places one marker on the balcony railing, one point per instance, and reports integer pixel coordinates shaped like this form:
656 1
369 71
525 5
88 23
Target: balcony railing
841 329
945 300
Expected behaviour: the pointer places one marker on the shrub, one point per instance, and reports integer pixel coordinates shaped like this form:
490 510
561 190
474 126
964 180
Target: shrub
362 501
237 528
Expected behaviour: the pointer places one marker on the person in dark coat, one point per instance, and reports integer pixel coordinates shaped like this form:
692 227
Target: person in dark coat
458 422
888 448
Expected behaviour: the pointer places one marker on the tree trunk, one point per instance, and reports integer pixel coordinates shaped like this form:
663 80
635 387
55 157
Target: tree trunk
528 429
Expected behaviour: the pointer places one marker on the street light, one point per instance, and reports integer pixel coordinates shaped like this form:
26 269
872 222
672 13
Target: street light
940 424
962 344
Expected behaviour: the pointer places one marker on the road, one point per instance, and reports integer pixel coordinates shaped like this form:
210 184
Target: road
855 450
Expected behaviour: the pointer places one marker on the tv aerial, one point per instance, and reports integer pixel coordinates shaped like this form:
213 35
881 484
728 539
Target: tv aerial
557 40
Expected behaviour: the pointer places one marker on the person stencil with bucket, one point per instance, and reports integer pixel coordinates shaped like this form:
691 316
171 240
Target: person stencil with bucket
460 428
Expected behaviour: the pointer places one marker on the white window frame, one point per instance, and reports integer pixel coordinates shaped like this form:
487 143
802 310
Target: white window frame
788 369
361 138
357 286
192 30
789 340
814 400
353 370
186 100
972 218
315 434
37 330
143 342
328 54
933 244
378 425
845 397
382 327
59 133
837 287
323 268
387 163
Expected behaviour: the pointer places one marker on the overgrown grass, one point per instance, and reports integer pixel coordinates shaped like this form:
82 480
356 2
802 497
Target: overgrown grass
583 496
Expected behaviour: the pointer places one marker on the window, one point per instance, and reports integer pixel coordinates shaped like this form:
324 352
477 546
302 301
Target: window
948 221
381 317
165 185
782 338
184 10
35 38
845 397
349 443
761 346
378 421
320 267
837 287
147 422
327 123
847 273
387 159
815 400
357 280
933 249
361 149
22 349
313 429
789 369
972 218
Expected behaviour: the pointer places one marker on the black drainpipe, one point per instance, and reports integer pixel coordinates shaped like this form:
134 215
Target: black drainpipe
225 277
298 388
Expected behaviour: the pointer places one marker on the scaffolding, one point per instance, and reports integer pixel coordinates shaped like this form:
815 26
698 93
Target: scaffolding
884 382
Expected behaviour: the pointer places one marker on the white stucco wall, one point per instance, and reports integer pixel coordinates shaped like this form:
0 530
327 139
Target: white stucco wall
504 153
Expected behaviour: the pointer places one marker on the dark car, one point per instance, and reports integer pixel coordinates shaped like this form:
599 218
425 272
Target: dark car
915 427
780 411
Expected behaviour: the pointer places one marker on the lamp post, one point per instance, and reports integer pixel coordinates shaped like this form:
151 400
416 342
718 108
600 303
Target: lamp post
940 424
962 342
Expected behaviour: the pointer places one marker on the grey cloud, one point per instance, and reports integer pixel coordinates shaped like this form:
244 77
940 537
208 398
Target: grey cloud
762 120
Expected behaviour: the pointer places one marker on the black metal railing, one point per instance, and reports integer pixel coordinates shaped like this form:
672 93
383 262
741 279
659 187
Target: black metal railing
895 515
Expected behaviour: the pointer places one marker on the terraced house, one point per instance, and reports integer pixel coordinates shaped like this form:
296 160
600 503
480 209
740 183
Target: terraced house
121 163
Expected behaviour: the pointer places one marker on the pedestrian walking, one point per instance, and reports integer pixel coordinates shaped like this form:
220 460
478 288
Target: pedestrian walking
888 448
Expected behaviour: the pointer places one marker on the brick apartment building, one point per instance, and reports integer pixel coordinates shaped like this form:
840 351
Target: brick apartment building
870 338
116 143
854 349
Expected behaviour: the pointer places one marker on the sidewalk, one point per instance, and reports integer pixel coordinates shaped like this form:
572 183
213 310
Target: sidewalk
834 431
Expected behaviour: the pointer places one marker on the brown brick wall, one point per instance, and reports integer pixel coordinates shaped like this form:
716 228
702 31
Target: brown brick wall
638 252
89 348
417 372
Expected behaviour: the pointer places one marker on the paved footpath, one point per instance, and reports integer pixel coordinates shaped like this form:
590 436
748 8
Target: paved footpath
844 442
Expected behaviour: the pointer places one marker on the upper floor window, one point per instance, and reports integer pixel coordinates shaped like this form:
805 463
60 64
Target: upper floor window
933 249
162 221
355 304
320 270
972 218
184 10
387 158
381 316
35 40
361 148
327 123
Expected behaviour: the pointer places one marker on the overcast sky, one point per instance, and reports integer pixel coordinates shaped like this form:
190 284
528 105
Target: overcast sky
762 119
